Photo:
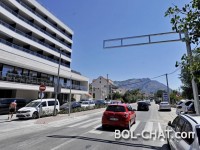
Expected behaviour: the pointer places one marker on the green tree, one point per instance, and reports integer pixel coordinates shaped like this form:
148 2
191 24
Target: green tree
117 95
187 19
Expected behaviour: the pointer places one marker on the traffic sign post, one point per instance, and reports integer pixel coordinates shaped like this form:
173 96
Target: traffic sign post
42 88
165 97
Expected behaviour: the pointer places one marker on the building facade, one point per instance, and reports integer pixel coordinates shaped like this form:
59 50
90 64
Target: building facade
101 88
33 42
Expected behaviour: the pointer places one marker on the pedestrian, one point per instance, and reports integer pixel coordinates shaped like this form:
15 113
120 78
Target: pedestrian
12 109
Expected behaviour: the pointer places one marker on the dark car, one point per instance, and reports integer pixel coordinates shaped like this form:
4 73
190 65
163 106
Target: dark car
5 103
100 102
142 105
65 106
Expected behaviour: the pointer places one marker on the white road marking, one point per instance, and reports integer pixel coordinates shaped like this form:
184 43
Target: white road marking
77 124
134 126
90 124
160 131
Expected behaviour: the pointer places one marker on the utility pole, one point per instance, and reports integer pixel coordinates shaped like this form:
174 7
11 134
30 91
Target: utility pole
57 86
107 89
168 88
194 85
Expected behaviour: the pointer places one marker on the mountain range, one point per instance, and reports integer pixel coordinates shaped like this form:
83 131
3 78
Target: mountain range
145 85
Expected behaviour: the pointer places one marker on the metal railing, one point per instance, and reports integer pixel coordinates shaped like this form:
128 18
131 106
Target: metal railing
17 78
30 23
32 38
43 18
31 52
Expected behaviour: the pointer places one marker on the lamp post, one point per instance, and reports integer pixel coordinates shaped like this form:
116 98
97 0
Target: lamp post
57 85
70 95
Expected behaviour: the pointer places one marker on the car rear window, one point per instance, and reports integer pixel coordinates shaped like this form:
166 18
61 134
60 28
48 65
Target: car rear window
142 103
116 108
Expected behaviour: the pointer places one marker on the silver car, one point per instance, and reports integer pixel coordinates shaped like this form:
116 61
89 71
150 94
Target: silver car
181 138
164 106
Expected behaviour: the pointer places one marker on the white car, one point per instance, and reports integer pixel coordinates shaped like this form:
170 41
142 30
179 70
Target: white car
37 108
182 106
188 124
87 104
164 106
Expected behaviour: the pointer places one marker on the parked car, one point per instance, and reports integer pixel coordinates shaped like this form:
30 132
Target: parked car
65 106
38 107
142 105
107 101
148 102
184 123
164 106
88 104
100 102
115 102
182 106
120 115
5 103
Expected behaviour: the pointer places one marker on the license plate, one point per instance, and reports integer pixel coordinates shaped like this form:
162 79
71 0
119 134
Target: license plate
114 119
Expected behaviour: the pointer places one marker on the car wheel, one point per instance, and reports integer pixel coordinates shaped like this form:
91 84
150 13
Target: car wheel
103 127
35 115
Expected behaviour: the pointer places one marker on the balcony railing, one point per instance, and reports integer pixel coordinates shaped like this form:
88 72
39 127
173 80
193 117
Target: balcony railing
43 18
31 52
30 23
32 38
13 77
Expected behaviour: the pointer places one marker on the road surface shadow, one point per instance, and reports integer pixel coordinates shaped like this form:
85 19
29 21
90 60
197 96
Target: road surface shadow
164 147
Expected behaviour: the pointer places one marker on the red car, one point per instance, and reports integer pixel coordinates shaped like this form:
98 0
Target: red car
121 115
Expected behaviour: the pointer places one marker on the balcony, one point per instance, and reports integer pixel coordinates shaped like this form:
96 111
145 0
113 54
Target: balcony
31 52
43 18
32 38
32 24
16 78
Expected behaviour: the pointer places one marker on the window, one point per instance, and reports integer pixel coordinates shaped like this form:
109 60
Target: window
44 104
51 103
129 108
188 103
179 125
7 69
175 122
116 108
188 128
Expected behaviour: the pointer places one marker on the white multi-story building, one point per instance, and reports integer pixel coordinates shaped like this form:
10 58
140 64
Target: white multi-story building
31 42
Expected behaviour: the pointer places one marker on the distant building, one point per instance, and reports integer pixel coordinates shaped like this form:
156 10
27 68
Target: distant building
32 41
101 88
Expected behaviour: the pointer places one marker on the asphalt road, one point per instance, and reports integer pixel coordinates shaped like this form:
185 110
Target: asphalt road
82 132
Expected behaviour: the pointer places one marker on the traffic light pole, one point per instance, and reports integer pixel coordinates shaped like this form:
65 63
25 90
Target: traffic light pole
168 89
121 42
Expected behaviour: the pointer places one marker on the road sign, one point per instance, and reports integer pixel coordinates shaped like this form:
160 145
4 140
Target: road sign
165 97
42 87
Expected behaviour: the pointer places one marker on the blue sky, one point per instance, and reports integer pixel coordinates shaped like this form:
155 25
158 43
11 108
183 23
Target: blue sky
96 20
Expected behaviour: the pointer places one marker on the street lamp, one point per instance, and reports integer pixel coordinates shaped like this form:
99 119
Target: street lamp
56 87
70 95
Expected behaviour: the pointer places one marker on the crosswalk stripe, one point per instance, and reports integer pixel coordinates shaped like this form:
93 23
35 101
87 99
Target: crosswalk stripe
90 124
134 126
160 131
77 124
149 126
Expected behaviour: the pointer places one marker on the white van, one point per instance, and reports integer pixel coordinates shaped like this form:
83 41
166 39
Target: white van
38 107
